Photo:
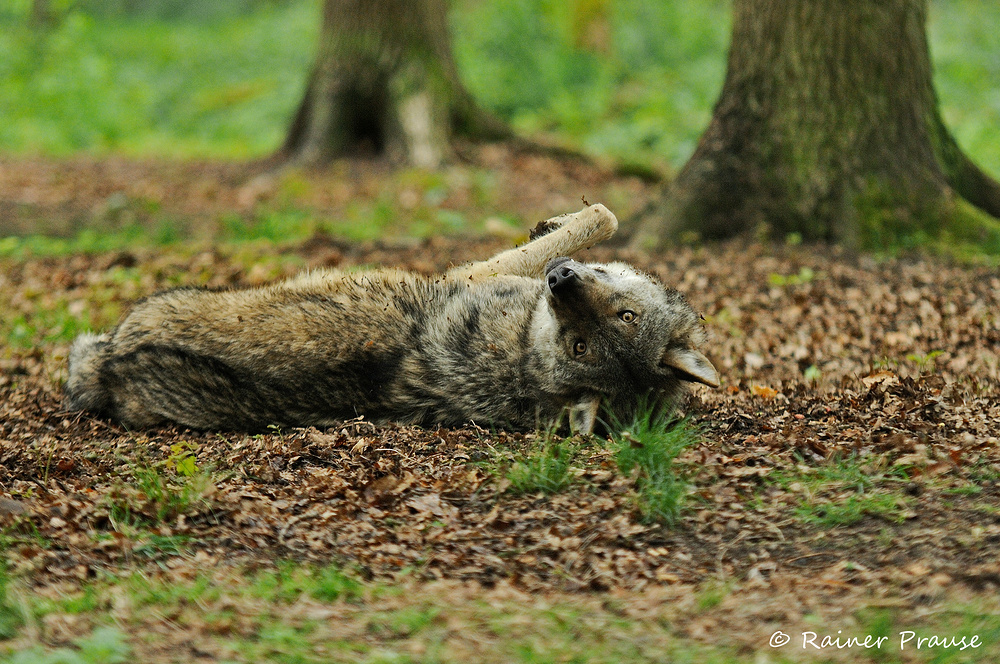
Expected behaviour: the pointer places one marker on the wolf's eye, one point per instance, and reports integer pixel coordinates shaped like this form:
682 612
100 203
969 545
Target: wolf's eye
580 347
627 316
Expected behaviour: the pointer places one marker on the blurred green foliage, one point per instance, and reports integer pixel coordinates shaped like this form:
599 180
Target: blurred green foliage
143 84
631 79
640 85
170 10
965 48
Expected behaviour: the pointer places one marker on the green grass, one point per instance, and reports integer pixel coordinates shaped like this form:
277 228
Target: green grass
155 495
633 79
39 317
289 582
11 619
953 621
644 447
711 594
547 470
291 615
852 509
44 325
648 445
105 645
286 220
299 612
842 491
89 241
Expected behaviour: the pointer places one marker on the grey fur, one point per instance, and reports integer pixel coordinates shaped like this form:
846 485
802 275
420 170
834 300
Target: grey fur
510 341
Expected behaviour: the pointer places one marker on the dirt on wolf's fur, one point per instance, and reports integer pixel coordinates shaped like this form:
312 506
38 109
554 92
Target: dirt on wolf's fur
824 355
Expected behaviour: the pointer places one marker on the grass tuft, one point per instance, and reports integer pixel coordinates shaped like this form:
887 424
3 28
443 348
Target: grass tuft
648 445
547 470
159 494
843 491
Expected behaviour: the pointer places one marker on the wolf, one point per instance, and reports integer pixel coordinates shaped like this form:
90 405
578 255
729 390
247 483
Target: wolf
526 339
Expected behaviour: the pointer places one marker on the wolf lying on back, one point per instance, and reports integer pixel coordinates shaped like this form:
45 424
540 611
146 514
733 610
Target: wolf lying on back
516 340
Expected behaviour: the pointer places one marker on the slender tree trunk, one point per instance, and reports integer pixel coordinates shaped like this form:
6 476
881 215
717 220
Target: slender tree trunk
827 126
384 83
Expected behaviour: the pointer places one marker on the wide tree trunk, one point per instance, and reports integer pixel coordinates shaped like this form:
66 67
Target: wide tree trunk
827 126
384 84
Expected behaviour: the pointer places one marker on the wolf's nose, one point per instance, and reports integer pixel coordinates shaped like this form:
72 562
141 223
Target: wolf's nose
560 277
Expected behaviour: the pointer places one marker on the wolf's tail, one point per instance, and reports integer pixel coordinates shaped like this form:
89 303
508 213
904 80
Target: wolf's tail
84 390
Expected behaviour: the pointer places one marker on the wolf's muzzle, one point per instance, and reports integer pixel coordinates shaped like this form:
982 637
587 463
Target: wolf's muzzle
560 276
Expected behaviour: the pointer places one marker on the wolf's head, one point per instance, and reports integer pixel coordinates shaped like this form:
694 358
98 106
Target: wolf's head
618 334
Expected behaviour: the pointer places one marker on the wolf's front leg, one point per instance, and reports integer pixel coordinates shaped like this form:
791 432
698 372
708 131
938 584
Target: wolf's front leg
572 232
583 415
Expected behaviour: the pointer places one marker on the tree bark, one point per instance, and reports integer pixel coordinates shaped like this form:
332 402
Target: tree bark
827 126
384 83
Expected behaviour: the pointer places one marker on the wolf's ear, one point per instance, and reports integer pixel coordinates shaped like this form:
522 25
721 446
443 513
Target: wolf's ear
690 365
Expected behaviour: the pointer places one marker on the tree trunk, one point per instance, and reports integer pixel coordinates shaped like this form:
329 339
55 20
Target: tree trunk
384 83
827 126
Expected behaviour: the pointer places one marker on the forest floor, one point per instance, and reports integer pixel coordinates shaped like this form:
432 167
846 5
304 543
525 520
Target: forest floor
846 481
